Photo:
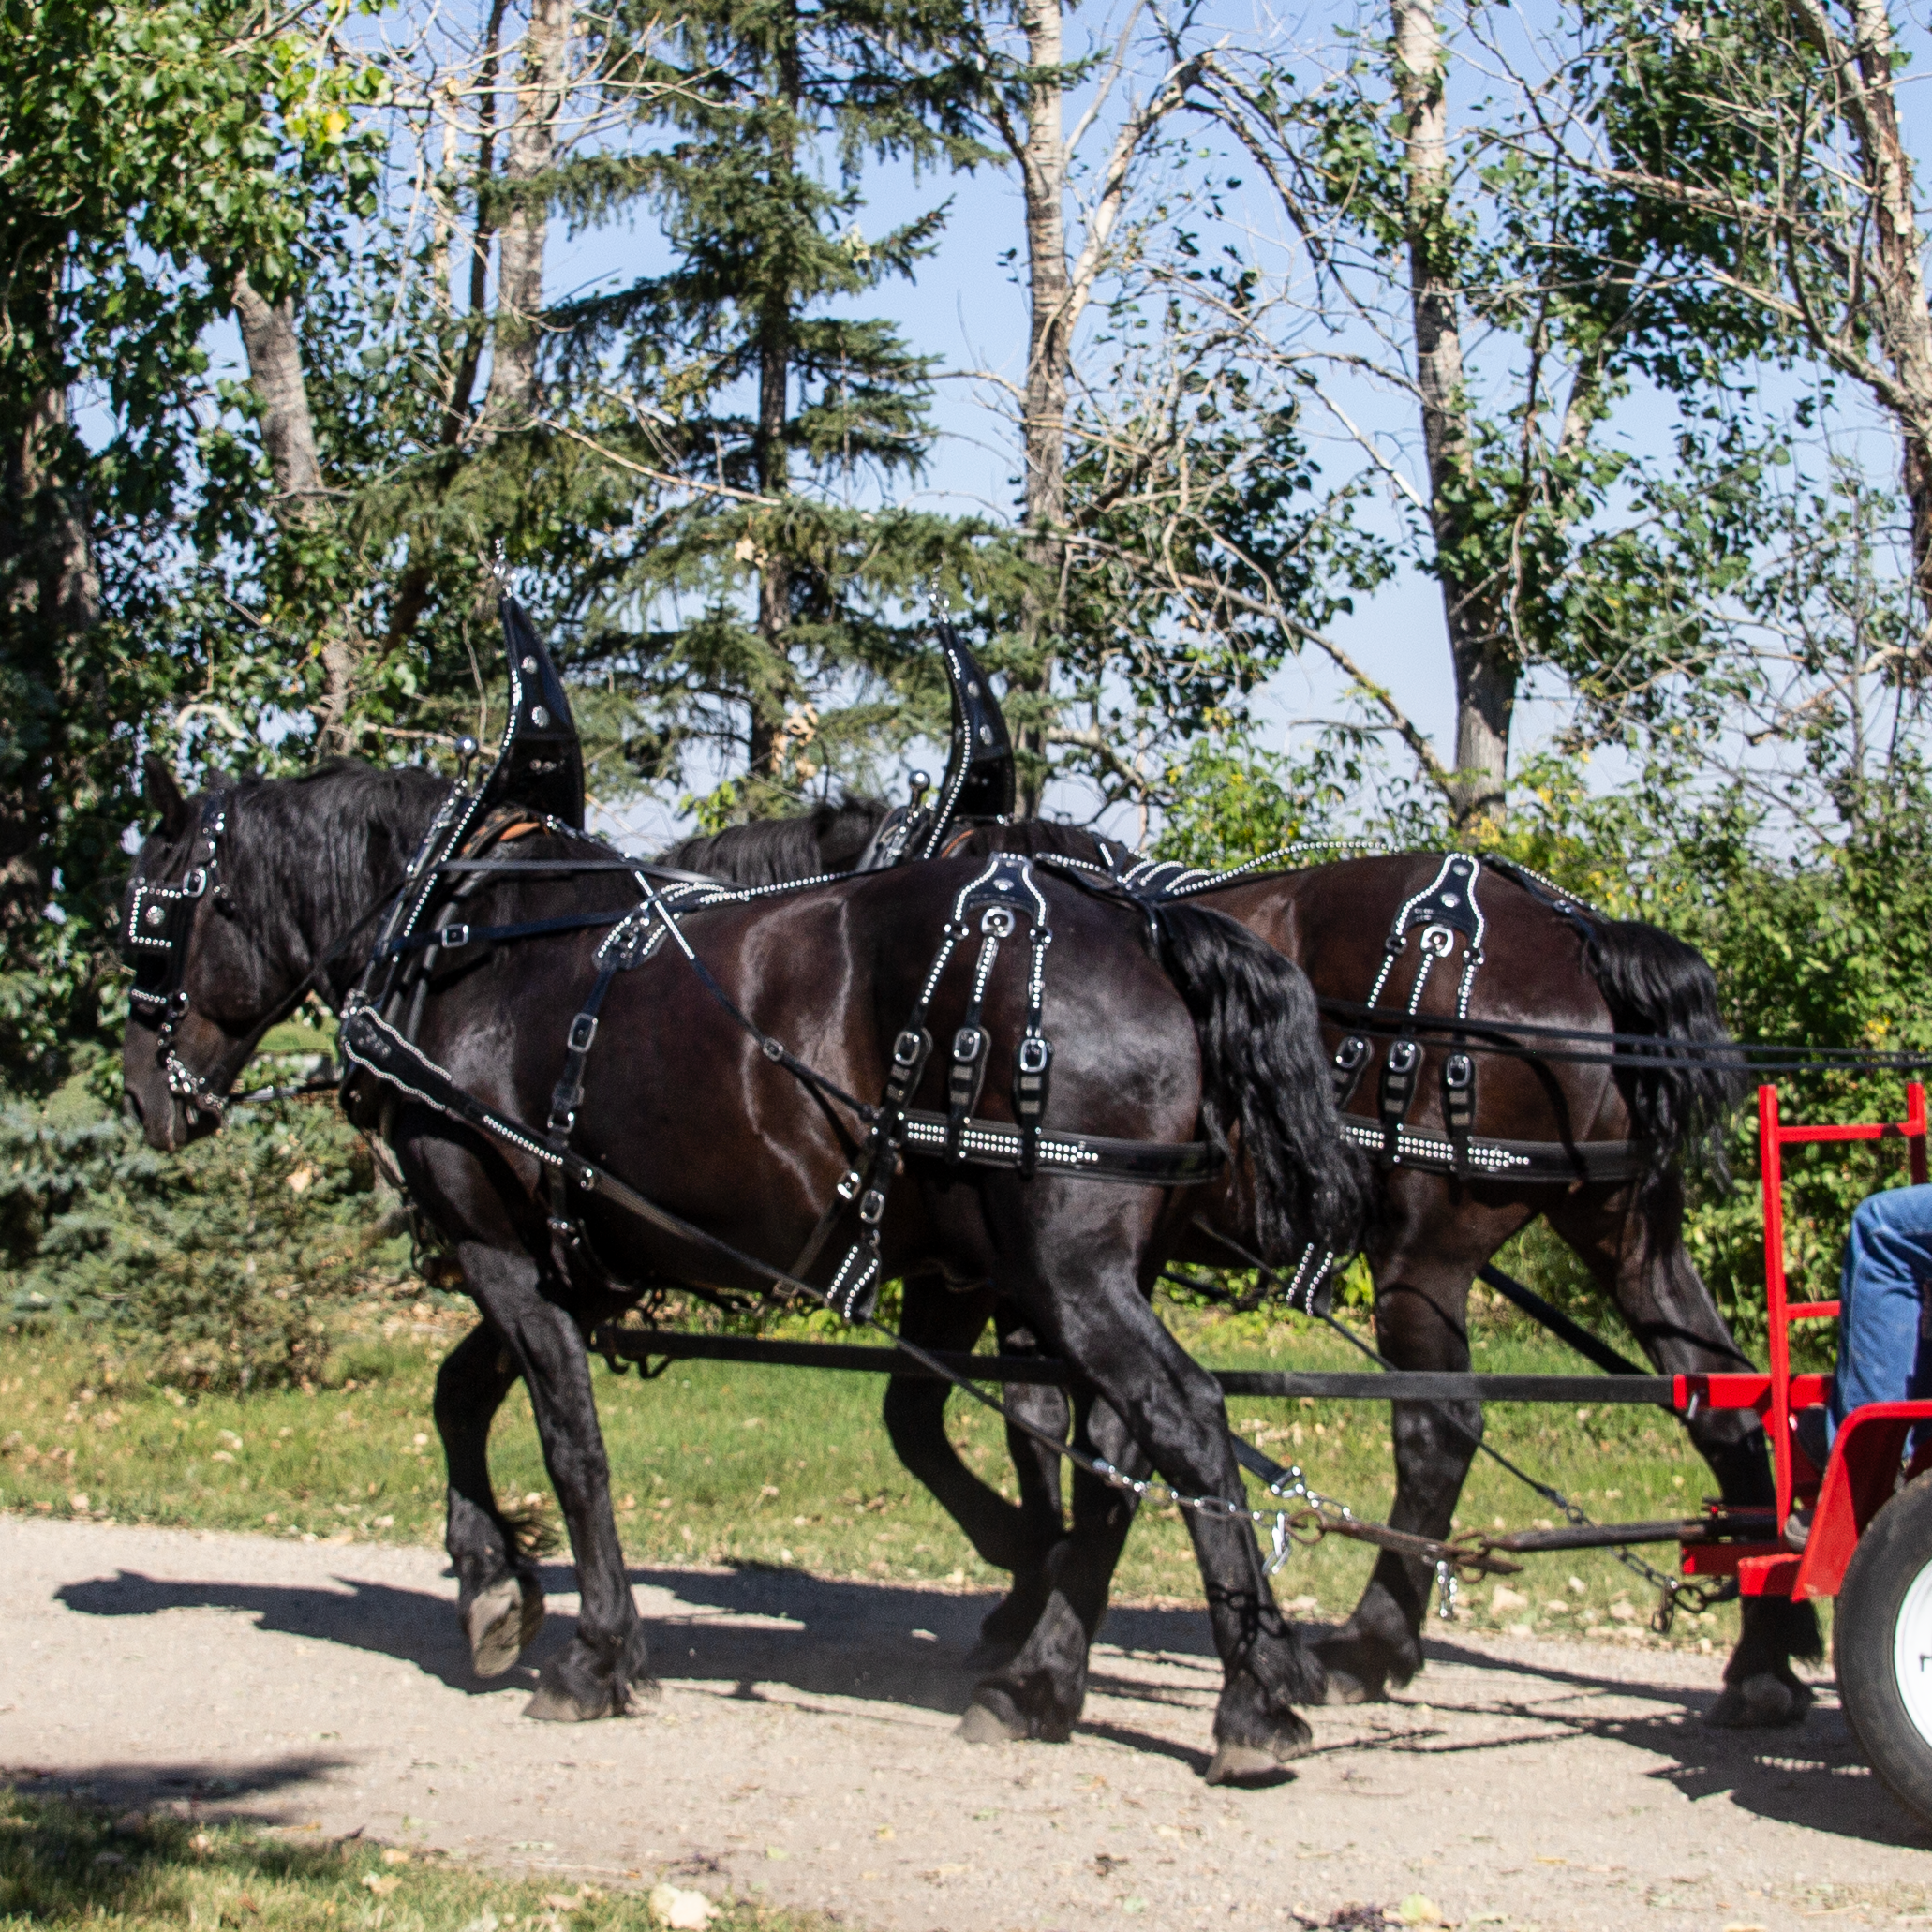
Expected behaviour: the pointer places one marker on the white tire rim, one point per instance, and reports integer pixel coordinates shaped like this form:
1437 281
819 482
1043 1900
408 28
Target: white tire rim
1911 1653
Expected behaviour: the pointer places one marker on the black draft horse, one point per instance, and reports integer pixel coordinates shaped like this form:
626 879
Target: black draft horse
683 1104
1428 1234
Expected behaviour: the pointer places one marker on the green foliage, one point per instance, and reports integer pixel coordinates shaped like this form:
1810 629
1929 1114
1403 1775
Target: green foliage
205 1269
150 152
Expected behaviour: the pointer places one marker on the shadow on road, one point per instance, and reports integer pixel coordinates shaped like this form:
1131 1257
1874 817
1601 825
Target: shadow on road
758 1627
223 1791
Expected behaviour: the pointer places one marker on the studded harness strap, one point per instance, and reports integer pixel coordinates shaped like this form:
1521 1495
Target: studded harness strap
1447 906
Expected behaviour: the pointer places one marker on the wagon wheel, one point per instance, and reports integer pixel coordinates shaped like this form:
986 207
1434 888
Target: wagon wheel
1881 1646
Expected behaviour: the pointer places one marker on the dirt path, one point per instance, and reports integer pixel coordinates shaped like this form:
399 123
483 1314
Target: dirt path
802 1750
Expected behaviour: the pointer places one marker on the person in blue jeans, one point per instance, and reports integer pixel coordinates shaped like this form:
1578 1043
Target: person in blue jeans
1884 1351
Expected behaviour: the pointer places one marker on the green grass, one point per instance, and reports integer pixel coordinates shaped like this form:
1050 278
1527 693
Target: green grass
726 1464
69 1864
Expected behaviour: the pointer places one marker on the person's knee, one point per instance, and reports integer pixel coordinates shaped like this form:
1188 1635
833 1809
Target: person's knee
1901 1212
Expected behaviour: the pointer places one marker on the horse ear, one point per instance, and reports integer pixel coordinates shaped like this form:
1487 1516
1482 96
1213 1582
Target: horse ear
164 795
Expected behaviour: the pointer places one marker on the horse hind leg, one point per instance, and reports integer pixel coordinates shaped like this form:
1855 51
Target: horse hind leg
499 1601
1423 1260
1018 1537
1632 1242
1040 1687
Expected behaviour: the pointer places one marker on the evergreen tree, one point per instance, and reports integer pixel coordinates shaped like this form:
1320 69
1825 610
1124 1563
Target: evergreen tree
762 604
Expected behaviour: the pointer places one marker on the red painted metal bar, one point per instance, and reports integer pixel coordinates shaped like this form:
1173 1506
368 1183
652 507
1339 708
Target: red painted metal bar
1777 1395
1771 1145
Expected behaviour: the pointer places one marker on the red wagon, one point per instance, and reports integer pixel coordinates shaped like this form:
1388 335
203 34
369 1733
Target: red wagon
1870 1542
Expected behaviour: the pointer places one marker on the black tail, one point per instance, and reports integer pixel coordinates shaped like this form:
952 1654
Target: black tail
1657 984
1263 1070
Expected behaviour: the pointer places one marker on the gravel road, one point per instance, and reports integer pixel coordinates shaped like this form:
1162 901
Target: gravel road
802 1752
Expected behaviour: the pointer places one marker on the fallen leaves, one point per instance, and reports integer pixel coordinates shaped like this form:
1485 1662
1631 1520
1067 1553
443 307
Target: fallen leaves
679 1910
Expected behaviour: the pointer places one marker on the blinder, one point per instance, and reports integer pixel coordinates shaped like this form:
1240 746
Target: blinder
154 940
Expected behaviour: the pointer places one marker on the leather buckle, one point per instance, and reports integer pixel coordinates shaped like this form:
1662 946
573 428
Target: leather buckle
1459 1073
968 1043
872 1208
1034 1054
906 1049
1403 1056
196 884
583 1030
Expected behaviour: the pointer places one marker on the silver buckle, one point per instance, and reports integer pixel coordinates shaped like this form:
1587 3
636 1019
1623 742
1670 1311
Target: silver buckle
196 884
1033 1054
454 936
583 1030
968 1043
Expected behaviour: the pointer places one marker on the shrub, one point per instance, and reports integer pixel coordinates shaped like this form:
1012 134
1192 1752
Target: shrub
204 1269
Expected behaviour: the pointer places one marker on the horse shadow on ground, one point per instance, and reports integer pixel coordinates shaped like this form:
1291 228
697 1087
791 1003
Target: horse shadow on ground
757 1628
1810 1774
819 1637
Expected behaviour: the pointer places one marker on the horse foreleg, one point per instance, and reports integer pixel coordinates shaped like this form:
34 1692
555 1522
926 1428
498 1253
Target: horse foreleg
1632 1242
498 1596
605 1662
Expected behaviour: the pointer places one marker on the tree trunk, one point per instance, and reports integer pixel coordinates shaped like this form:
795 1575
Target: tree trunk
462 377
56 596
288 433
1048 359
774 480
1485 668
511 402
1865 74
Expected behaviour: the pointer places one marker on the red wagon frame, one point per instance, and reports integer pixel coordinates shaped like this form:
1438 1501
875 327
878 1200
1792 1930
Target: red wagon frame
1861 1472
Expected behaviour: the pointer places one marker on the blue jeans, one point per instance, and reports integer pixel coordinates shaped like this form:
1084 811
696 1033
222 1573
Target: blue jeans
1883 1353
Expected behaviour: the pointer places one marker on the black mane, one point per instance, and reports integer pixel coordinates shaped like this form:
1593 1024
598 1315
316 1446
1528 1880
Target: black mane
304 859
774 852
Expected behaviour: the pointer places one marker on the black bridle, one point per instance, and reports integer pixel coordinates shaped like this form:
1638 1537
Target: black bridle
153 944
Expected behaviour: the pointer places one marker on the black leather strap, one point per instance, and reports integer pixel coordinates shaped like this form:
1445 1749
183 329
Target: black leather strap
1554 1163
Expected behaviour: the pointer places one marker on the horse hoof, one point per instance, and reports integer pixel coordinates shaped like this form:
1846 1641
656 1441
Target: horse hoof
1764 1703
549 1706
1344 1687
980 1725
987 1656
1247 1767
499 1623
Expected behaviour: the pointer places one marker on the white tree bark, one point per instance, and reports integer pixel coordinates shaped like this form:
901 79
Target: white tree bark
531 142
288 433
